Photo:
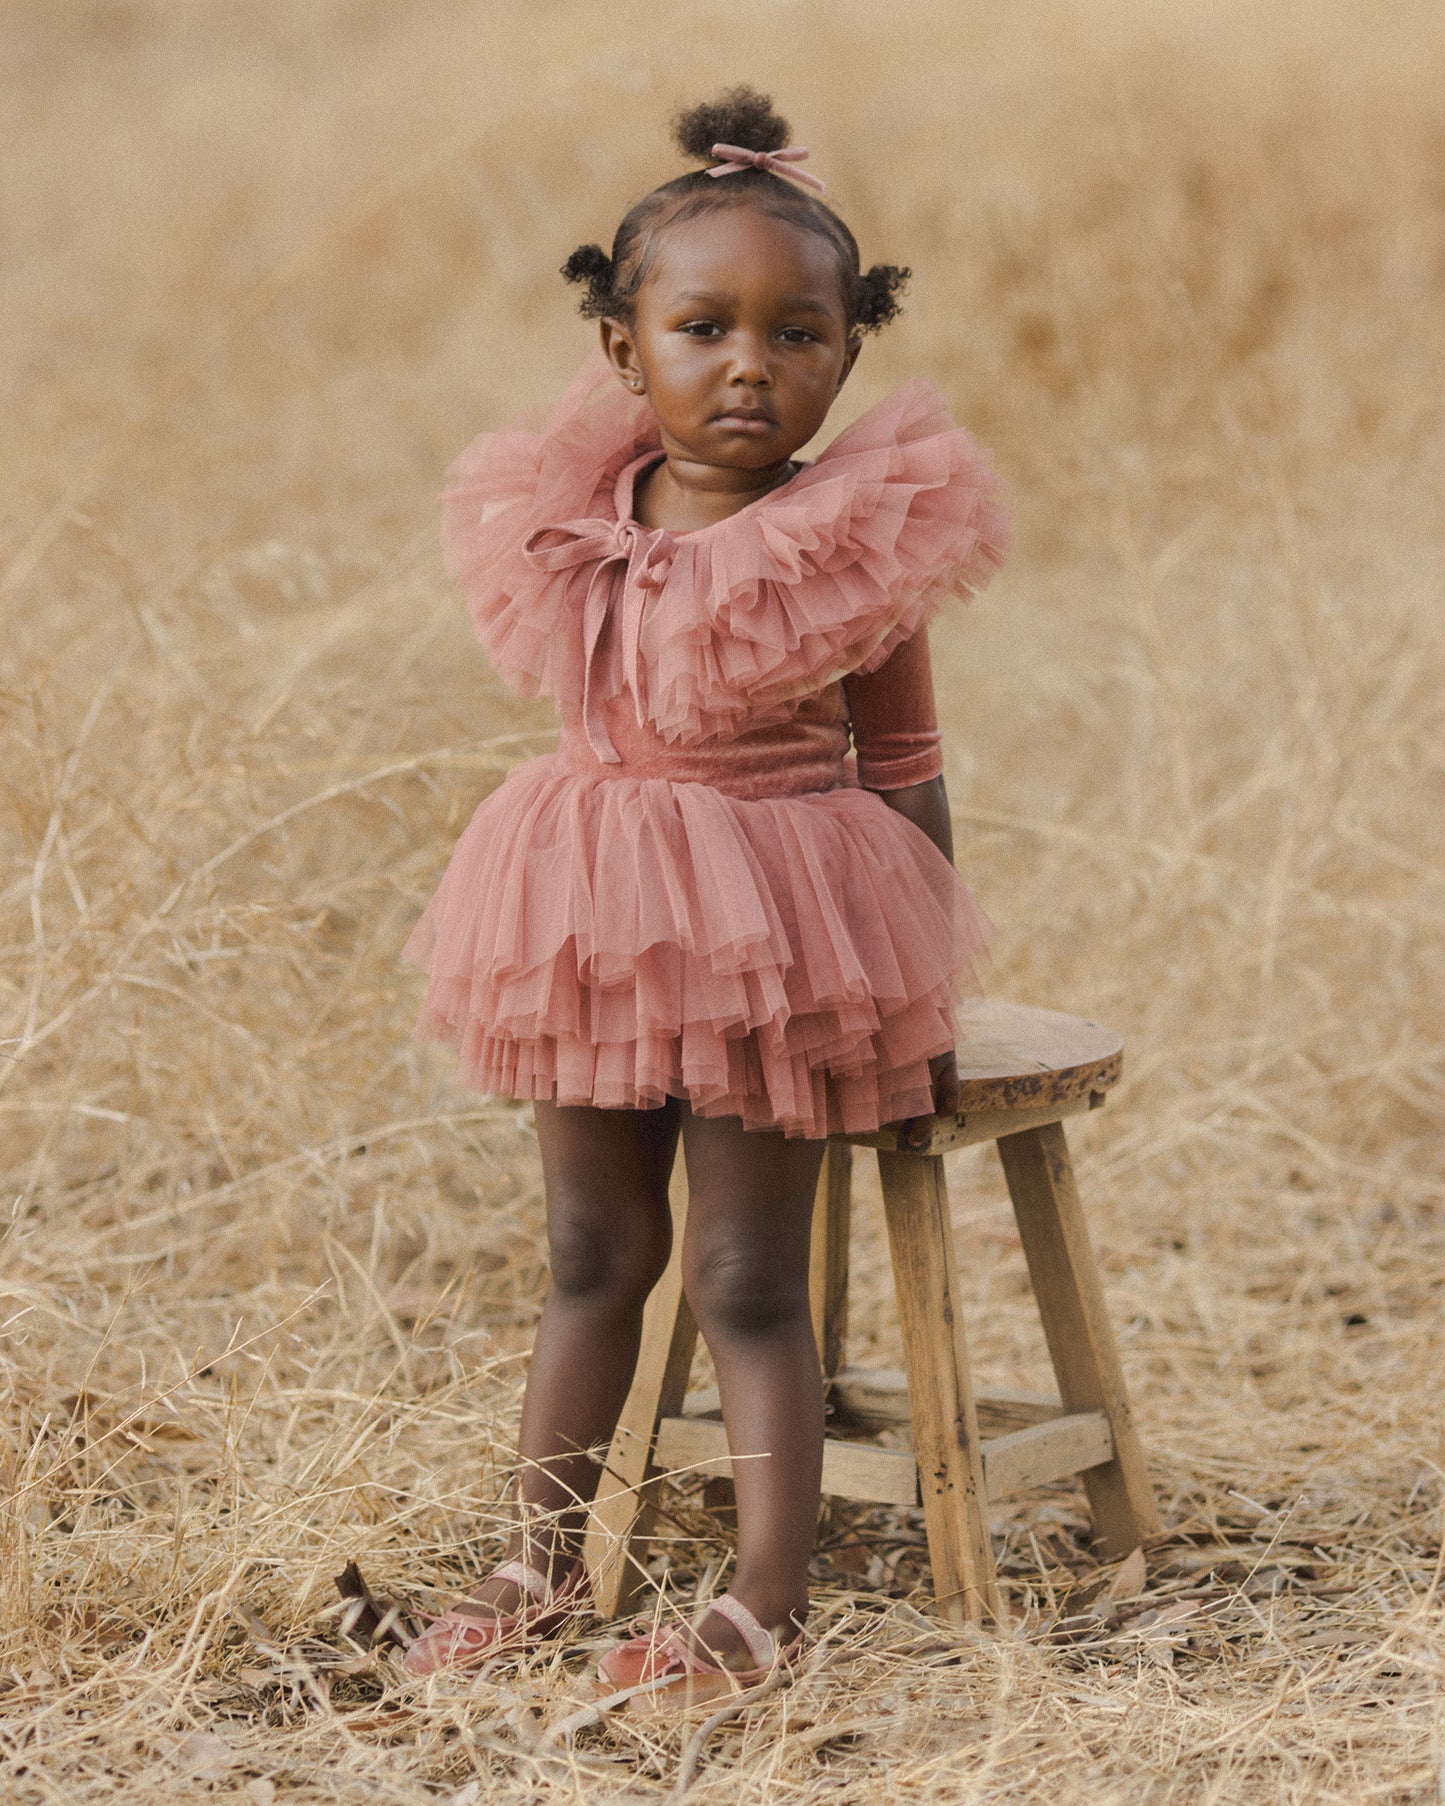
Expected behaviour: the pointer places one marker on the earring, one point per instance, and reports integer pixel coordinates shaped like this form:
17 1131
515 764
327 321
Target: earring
635 385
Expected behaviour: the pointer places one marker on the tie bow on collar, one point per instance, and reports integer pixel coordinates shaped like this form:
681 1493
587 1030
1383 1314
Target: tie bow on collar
631 560
569 543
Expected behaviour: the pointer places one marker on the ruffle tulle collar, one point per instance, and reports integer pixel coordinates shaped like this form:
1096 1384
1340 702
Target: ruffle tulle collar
729 622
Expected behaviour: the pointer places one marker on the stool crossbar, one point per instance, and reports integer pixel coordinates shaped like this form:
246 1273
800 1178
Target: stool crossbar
1024 1072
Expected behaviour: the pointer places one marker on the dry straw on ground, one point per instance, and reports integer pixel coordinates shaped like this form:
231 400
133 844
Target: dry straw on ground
269 1273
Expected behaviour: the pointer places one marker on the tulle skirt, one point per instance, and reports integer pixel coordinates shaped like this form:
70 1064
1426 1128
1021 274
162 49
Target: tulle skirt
616 941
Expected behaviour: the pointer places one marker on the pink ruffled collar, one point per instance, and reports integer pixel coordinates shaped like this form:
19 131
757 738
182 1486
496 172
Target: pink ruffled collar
726 624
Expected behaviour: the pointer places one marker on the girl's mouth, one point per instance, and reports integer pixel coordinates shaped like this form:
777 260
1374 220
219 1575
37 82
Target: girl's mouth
755 424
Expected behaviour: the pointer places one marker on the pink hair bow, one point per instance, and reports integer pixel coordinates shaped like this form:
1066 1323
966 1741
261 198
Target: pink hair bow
735 158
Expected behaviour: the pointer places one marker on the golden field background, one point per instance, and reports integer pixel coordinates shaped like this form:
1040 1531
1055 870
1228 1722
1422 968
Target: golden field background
268 1271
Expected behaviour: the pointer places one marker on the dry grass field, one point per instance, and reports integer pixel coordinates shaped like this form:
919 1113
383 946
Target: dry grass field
269 1273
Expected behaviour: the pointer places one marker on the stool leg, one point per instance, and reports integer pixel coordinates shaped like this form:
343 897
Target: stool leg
828 1260
622 1514
1076 1323
940 1388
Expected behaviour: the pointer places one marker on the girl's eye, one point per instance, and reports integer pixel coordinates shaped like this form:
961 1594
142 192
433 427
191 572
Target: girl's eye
797 335
702 329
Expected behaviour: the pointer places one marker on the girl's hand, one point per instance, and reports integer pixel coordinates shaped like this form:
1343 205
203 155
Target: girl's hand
943 1070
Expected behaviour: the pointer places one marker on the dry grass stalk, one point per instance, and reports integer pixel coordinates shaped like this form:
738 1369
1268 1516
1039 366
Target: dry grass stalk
1184 274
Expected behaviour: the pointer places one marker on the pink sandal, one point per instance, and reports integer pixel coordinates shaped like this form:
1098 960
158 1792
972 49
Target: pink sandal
670 1672
471 1632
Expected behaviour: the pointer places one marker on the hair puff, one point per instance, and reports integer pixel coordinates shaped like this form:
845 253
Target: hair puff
591 265
876 298
741 116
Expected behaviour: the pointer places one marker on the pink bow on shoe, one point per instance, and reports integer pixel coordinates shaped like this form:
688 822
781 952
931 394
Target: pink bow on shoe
735 158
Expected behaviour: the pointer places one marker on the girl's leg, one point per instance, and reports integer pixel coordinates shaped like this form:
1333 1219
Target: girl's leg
745 1271
609 1233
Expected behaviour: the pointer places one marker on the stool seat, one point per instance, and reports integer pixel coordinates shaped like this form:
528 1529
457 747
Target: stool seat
1017 1064
1023 1071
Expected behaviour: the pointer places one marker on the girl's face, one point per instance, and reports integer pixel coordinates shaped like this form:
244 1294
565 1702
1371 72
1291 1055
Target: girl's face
739 338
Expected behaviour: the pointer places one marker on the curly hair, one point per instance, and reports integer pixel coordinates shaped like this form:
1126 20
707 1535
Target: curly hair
743 117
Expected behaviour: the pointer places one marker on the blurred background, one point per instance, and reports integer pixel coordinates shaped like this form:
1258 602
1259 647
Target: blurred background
267 269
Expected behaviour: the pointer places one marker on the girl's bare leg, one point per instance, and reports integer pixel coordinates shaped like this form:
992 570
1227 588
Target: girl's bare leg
609 1232
745 1271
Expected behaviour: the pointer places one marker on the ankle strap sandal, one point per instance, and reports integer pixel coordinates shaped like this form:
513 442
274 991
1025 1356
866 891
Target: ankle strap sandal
472 1632
671 1669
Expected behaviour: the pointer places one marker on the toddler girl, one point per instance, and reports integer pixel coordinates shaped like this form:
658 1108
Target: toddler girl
697 921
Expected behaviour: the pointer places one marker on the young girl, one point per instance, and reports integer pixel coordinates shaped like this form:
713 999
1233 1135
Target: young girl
696 920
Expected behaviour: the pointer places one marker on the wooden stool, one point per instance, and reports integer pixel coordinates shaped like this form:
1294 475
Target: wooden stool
1023 1071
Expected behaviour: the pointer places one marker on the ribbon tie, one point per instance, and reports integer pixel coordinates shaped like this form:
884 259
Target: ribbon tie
620 549
736 158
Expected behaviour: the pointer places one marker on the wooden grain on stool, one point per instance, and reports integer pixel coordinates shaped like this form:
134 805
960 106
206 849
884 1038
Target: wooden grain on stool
1076 1325
945 1422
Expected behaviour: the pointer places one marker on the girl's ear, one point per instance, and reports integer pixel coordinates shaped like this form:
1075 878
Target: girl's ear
620 349
850 357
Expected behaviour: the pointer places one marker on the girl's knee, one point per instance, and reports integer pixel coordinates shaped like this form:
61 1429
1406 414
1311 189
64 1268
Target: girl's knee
617 1258
743 1291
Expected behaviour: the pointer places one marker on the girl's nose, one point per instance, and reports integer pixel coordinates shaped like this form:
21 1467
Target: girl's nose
750 362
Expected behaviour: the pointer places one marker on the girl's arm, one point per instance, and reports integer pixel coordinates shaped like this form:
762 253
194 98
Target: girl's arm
926 806
895 731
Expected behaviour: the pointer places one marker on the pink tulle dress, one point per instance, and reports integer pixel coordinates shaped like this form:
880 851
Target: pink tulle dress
694 896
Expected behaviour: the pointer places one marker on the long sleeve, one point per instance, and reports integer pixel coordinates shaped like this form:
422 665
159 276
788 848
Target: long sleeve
894 719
